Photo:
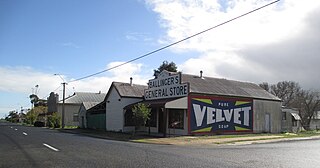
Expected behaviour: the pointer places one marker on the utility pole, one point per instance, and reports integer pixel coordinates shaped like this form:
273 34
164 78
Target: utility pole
64 94
63 98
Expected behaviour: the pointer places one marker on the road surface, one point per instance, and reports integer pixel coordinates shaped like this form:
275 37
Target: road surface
22 146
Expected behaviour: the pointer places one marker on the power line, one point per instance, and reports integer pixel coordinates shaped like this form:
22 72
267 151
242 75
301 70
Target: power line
167 46
52 91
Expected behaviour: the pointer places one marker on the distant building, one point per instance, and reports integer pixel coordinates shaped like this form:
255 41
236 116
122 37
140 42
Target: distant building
52 103
290 120
73 104
315 121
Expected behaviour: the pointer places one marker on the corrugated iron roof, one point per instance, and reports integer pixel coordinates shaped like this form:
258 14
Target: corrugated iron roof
217 86
80 97
88 105
127 90
205 85
296 116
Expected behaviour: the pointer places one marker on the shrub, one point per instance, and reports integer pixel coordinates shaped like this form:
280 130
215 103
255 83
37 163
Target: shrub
54 120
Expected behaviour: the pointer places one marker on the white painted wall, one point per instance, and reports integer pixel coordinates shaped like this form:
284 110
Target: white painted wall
114 110
82 113
69 110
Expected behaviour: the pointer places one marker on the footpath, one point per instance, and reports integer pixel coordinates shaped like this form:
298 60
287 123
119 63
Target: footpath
196 140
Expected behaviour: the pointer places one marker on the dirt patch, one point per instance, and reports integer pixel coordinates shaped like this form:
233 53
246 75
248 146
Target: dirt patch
190 140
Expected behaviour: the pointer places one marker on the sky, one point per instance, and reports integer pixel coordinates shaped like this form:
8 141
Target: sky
76 38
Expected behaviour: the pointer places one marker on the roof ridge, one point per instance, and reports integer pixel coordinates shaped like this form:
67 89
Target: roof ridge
209 77
128 83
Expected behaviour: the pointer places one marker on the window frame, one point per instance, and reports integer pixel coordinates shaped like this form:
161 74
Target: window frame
176 115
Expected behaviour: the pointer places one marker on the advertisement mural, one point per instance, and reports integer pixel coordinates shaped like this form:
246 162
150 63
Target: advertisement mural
209 114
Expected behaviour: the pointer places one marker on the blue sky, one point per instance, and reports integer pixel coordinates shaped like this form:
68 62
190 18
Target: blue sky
57 36
75 38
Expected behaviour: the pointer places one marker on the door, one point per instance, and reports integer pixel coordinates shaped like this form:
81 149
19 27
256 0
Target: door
267 123
161 122
82 122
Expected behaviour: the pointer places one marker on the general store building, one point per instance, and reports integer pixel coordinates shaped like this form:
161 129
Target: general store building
187 104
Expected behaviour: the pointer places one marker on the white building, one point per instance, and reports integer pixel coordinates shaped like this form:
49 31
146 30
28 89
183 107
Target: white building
119 96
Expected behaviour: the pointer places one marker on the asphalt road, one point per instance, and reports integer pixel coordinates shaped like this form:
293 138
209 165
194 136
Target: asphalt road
22 146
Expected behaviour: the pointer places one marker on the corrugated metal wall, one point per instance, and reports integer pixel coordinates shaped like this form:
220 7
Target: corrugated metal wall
96 121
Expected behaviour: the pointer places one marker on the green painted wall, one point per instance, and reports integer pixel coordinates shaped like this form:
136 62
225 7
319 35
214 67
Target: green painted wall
96 121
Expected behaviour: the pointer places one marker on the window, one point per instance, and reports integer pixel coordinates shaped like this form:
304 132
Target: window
176 119
75 117
284 116
128 118
153 118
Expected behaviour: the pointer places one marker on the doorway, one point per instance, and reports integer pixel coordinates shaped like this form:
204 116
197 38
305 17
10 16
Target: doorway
82 121
267 127
161 121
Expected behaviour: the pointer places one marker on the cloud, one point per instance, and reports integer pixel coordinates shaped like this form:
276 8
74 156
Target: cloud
136 36
273 44
20 82
71 45
24 79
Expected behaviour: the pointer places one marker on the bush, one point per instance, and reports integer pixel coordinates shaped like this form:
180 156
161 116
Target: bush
54 120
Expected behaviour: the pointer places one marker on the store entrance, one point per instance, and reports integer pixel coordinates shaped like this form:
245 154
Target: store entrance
161 122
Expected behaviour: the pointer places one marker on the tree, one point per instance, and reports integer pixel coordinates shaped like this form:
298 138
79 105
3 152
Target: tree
165 66
13 116
33 114
307 102
286 91
265 86
141 113
33 99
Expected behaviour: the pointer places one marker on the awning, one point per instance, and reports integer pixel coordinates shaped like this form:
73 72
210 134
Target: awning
173 103
181 103
295 116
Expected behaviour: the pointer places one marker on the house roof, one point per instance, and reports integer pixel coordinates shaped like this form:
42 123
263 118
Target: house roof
127 90
217 86
205 85
293 112
80 97
88 105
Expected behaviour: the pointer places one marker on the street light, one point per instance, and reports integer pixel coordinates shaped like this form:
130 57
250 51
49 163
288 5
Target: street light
64 94
37 87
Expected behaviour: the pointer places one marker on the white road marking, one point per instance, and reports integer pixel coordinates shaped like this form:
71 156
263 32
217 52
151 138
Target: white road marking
24 133
16 129
50 147
11 127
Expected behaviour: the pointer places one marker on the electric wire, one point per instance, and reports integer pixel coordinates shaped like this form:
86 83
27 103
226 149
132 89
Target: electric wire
52 91
174 43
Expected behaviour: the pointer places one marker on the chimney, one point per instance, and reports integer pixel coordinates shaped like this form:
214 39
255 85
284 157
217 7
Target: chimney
131 84
201 74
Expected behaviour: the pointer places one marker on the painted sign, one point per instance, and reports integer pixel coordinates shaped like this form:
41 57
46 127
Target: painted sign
212 114
166 85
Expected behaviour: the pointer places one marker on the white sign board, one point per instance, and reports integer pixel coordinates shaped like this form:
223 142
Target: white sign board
166 86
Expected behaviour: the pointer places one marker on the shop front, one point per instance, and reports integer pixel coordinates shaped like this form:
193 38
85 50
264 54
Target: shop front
185 104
